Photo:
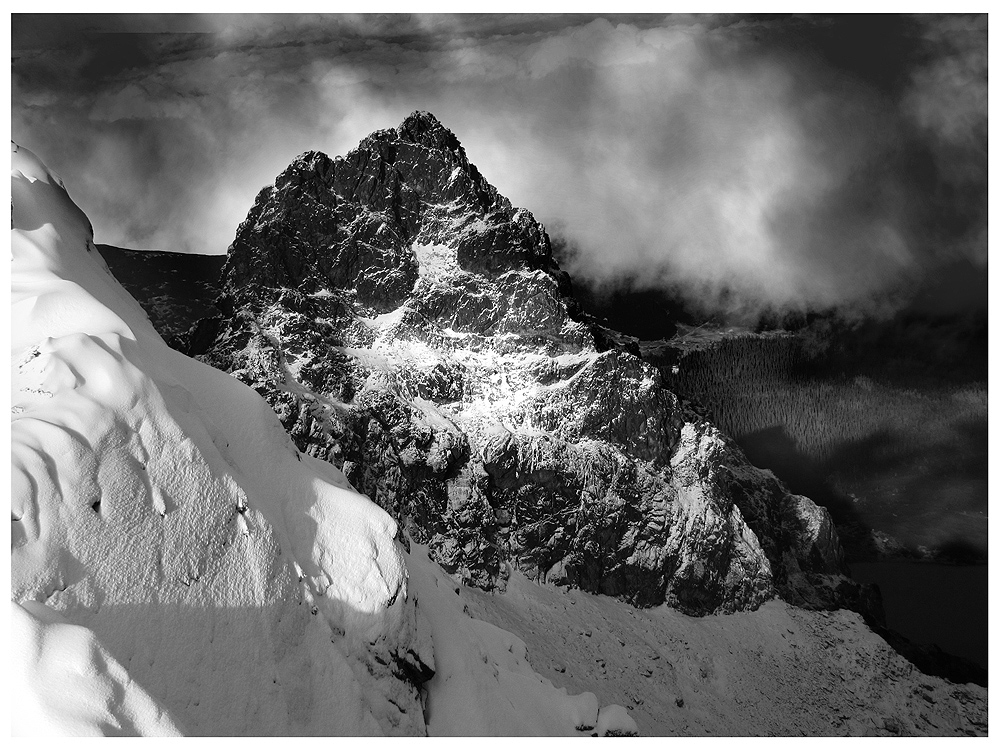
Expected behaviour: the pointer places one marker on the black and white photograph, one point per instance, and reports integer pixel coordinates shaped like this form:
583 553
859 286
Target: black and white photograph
549 374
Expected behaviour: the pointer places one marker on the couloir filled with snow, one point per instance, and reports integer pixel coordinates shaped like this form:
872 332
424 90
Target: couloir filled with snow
178 566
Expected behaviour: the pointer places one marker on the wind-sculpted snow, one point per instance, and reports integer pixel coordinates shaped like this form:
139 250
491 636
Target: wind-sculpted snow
158 503
178 565
68 684
410 326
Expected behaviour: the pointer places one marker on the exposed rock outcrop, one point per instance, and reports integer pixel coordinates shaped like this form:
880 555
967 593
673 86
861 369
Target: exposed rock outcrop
409 325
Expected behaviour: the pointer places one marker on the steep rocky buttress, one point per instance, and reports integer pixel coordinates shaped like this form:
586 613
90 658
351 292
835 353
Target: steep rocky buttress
410 326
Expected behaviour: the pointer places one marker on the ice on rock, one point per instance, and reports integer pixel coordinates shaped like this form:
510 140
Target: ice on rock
436 263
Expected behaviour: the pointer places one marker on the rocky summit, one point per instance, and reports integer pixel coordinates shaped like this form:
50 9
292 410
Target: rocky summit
409 325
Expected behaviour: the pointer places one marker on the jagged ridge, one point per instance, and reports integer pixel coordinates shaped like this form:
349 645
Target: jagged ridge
411 326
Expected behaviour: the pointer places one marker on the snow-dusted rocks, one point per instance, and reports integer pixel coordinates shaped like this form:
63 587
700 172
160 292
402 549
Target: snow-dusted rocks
410 326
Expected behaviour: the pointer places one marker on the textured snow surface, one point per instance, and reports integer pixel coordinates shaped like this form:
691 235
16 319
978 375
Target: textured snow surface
66 683
484 684
437 263
178 566
777 671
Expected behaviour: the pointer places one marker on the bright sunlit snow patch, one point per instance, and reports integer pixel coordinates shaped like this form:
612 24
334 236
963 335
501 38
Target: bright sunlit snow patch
385 320
436 263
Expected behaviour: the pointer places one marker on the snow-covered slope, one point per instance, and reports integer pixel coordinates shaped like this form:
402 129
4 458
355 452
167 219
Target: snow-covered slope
484 684
160 504
208 577
66 682
777 671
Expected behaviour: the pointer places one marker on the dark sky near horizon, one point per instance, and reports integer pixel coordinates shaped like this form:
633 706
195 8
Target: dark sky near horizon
747 162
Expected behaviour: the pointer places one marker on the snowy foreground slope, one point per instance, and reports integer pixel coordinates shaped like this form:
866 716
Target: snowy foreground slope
777 671
178 566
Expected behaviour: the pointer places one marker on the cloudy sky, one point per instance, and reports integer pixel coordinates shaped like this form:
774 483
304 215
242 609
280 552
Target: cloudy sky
748 163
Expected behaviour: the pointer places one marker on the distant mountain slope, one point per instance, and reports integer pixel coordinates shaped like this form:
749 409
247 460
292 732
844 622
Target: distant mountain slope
895 448
175 289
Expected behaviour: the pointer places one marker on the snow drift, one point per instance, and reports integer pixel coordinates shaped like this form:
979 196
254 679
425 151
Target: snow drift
177 564
68 684
160 504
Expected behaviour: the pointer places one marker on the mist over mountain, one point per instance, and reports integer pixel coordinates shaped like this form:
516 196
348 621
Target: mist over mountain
750 165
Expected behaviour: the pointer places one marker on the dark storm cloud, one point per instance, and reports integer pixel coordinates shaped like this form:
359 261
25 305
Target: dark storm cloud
751 163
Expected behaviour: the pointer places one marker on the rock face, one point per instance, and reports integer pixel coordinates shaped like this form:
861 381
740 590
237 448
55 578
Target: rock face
410 326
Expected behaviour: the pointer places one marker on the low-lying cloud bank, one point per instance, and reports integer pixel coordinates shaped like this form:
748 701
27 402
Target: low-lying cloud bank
750 164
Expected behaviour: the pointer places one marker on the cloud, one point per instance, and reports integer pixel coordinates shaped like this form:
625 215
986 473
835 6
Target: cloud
947 100
749 164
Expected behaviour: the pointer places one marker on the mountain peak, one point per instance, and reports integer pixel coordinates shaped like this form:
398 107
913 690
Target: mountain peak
410 325
424 129
356 223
